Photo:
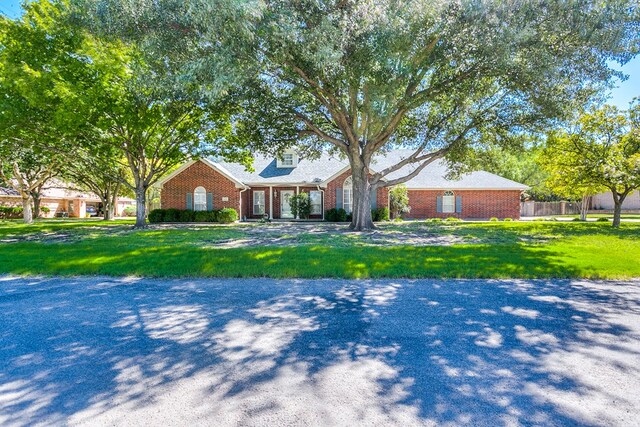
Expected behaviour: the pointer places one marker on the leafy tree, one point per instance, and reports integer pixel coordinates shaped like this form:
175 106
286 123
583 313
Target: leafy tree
600 150
363 77
301 205
399 201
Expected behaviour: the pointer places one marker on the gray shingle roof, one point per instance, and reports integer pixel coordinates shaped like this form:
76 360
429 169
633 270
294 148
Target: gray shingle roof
316 171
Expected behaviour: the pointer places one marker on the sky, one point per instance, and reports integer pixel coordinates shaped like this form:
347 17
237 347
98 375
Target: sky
624 92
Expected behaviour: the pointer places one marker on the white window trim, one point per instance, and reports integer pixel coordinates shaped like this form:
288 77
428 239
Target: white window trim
262 206
200 193
448 202
290 162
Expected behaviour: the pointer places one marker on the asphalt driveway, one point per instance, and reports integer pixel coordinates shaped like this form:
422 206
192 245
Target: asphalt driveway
104 351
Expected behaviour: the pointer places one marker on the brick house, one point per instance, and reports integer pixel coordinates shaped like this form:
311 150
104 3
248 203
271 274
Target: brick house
208 184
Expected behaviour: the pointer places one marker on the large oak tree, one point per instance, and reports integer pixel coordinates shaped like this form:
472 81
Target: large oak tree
363 77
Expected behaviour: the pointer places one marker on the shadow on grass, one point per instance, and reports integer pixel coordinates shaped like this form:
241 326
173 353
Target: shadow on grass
484 261
360 352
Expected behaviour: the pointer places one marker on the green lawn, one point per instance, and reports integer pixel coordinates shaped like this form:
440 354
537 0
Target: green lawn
417 249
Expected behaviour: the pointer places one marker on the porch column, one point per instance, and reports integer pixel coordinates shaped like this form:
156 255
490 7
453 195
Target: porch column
270 202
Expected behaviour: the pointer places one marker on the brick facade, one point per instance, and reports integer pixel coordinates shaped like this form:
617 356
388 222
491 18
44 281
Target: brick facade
174 191
480 204
475 203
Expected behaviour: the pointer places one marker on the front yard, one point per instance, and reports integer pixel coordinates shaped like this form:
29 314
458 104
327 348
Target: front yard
415 249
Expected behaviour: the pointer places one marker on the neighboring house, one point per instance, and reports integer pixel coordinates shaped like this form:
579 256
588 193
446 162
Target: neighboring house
61 199
208 184
605 201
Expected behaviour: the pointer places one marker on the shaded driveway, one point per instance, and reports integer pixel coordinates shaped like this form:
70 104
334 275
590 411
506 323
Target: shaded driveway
104 351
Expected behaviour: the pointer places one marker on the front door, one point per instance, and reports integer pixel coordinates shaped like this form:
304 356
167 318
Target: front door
285 205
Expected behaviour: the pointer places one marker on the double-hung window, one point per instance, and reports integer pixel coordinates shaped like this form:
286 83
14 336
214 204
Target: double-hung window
316 202
258 203
200 199
448 202
347 195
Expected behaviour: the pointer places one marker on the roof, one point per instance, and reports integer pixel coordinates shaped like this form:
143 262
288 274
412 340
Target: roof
266 172
318 171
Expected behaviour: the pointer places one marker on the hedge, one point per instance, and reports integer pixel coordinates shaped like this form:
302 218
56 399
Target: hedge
340 215
223 216
10 212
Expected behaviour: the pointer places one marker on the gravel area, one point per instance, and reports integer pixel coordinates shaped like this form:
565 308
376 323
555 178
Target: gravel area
130 351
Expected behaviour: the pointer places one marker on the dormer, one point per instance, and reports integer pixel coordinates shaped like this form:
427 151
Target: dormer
289 159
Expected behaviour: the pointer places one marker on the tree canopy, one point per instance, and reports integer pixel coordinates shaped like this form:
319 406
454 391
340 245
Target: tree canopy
364 77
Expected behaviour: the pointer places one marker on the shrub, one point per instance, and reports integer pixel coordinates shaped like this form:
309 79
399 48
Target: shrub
331 215
452 219
508 219
380 214
45 210
602 219
156 216
348 217
397 219
202 216
576 220
493 219
10 212
301 205
341 215
435 220
186 216
399 200
129 211
227 215
171 215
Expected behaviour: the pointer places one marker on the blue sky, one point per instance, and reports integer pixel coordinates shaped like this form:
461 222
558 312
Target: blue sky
620 96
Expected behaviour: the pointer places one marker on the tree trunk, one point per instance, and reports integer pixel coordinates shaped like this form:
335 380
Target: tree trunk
141 201
36 205
27 214
617 211
584 207
361 214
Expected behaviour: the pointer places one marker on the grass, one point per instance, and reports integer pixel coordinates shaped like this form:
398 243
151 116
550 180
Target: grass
485 250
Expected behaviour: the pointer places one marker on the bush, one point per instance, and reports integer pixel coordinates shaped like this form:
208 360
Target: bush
45 210
493 219
508 219
129 211
380 214
602 219
576 220
341 215
156 216
331 215
435 220
10 212
301 205
186 216
399 200
227 215
204 216
452 219
348 217
171 215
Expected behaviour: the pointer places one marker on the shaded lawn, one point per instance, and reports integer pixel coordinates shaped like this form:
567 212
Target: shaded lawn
503 250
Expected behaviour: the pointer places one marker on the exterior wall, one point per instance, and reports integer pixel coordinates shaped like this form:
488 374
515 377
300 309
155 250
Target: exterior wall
382 195
174 192
605 201
54 205
10 201
480 204
247 203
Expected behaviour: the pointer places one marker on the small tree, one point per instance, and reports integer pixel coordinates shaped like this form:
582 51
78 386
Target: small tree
600 150
301 205
399 200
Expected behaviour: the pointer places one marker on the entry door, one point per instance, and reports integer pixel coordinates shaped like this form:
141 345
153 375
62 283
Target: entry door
285 204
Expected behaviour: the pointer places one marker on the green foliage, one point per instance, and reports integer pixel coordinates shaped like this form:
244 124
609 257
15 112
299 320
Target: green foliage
508 219
602 219
44 209
300 205
452 219
493 219
434 220
10 212
171 215
186 215
129 211
336 215
399 200
380 214
157 215
227 215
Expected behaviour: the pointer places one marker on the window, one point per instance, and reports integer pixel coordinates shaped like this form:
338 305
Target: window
258 202
200 199
316 202
347 195
448 202
287 159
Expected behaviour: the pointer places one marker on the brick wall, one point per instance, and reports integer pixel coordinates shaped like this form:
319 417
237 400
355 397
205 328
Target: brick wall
382 195
479 204
174 192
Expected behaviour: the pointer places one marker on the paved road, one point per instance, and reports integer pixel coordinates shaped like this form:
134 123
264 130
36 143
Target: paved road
102 351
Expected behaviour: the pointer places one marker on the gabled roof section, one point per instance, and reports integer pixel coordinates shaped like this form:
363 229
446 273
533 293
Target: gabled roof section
213 165
267 172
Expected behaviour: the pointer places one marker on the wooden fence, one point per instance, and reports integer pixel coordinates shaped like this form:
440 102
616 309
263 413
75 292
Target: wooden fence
549 208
